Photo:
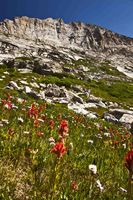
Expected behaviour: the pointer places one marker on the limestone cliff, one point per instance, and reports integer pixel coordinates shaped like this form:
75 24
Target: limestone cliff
26 36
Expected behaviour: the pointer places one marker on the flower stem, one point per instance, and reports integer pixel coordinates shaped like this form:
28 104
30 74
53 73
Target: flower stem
130 186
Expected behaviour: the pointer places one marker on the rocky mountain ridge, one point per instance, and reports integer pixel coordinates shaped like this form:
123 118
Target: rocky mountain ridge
26 36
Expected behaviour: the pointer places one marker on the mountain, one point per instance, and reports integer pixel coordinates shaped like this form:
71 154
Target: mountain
86 67
35 37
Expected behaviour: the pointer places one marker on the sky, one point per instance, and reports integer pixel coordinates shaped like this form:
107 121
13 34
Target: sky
115 15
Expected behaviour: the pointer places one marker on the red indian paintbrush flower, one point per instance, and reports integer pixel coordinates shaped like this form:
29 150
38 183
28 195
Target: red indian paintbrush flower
51 124
63 128
33 111
7 104
59 149
74 185
129 161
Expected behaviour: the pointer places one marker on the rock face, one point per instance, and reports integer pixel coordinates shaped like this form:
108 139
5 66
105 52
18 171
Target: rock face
52 38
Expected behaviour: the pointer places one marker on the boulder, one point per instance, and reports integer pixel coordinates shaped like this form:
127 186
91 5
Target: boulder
127 120
53 90
14 85
73 97
118 113
31 93
44 69
110 118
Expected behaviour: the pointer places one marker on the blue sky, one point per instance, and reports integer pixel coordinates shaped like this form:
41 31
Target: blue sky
116 15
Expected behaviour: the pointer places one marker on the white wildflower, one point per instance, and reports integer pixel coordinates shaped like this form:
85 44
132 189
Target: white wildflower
123 190
40 120
5 121
1 124
71 145
124 146
26 132
19 100
99 136
20 119
15 107
99 185
90 141
107 134
93 168
51 141
7 73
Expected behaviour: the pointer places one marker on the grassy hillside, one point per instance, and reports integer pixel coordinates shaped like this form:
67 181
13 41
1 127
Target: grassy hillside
49 152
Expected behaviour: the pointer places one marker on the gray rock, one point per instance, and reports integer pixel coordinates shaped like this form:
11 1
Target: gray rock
31 93
43 70
73 97
110 118
53 90
119 112
14 85
43 85
126 120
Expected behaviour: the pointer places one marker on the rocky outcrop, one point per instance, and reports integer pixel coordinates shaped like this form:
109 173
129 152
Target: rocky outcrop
56 31
55 40
120 116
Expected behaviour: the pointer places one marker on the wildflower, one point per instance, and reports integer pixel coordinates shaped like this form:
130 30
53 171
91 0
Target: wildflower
5 121
71 145
1 124
74 185
63 128
51 141
129 166
10 131
14 107
43 117
123 190
99 136
40 134
26 132
129 161
40 120
59 149
20 119
116 143
99 185
51 124
36 122
7 73
107 134
32 151
124 146
90 141
19 100
7 104
59 116
93 168
33 111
